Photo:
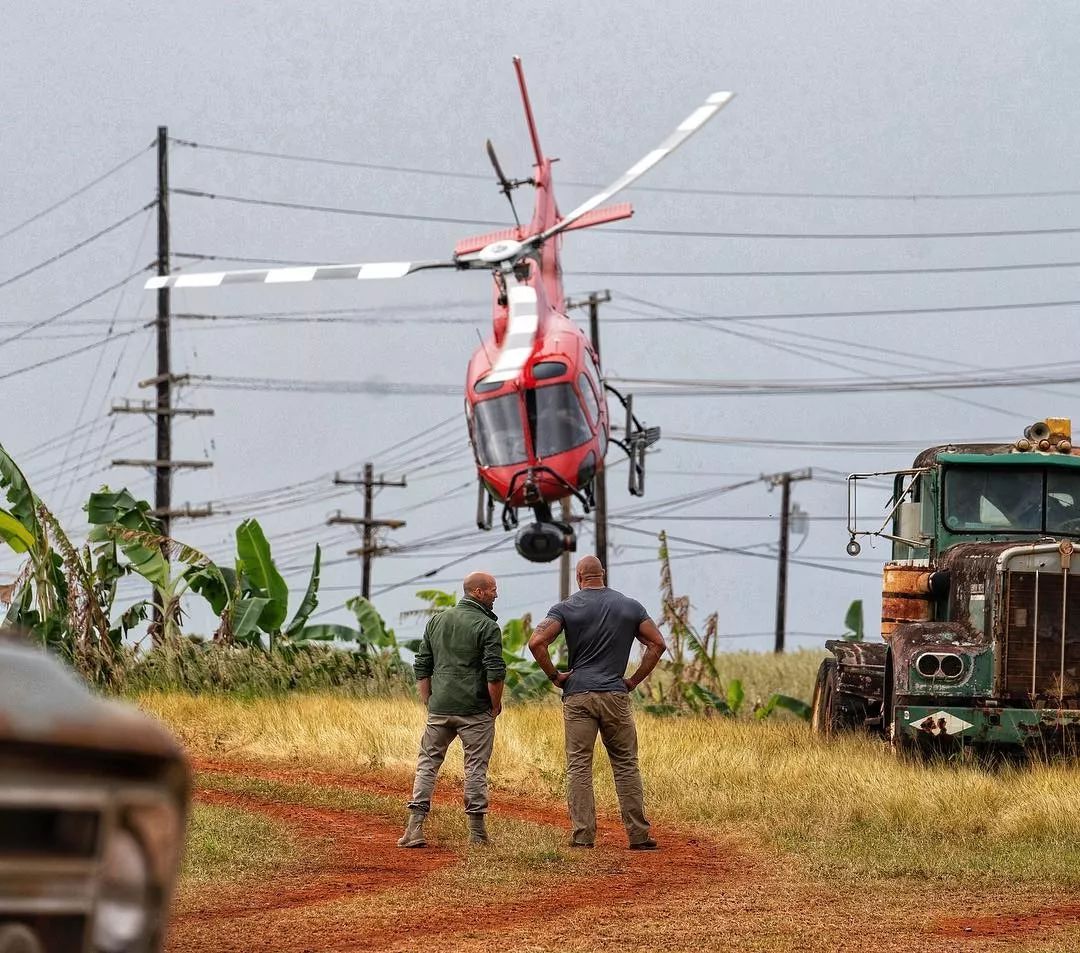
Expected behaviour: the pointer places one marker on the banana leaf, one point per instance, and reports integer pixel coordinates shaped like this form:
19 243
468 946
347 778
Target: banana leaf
372 627
254 554
14 533
796 706
328 632
735 695
310 601
245 616
19 494
214 584
108 511
853 622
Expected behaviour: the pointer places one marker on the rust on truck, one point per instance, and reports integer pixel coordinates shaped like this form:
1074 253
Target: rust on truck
93 803
980 633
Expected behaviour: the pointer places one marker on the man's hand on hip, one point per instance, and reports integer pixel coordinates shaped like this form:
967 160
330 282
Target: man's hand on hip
559 679
630 686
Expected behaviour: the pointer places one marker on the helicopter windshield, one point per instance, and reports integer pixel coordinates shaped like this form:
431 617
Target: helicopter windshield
1012 500
500 438
556 419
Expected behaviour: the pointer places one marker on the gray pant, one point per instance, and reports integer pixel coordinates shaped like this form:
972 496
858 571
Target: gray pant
477 734
610 714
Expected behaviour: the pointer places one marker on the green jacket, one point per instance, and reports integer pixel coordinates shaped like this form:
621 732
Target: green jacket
461 652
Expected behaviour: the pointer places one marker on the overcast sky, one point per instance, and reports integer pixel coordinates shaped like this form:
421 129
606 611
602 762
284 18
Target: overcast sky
835 102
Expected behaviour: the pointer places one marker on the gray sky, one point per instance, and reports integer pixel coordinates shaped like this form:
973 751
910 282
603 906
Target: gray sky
903 99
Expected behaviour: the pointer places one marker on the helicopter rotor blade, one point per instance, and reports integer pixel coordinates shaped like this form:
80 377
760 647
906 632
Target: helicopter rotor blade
520 336
499 174
684 131
358 272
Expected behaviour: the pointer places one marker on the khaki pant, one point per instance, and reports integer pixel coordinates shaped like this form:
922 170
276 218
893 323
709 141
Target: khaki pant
477 734
610 714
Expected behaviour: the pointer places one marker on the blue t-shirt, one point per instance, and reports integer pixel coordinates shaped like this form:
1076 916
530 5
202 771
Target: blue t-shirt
600 627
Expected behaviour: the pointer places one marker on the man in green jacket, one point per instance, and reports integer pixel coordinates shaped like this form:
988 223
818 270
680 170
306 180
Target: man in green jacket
459 674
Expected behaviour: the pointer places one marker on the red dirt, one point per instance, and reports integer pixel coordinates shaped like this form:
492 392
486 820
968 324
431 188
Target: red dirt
360 892
1042 921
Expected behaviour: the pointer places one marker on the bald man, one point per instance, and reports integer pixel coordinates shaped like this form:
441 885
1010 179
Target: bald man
459 674
601 626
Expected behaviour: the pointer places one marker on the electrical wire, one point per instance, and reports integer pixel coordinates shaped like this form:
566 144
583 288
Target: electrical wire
829 272
71 249
678 190
79 191
29 329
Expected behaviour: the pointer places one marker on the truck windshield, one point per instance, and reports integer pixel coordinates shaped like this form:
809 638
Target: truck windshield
500 437
1012 500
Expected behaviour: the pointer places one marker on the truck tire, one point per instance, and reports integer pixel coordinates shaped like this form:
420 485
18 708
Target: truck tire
822 704
832 711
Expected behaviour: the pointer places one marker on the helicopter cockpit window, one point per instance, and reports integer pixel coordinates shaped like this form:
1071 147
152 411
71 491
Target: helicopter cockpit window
590 398
482 387
500 439
559 423
544 370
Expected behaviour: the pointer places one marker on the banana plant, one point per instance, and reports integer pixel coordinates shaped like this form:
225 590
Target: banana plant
252 598
119 520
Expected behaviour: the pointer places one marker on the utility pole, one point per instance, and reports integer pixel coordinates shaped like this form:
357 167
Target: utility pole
162 408
564 559
370 549
593 302
784 481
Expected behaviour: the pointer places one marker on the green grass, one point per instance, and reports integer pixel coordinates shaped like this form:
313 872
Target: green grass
227 844
520 850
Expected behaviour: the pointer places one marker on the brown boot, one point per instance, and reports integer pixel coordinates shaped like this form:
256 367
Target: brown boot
414 831
478 829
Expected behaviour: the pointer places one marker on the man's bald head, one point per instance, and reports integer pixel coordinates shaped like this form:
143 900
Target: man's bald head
481 586
590 572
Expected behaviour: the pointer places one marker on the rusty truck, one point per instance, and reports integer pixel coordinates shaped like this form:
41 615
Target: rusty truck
980 613
93 799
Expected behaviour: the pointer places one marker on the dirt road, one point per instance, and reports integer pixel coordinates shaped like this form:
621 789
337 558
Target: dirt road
364 893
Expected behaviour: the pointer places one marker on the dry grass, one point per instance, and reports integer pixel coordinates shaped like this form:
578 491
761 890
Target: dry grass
847 809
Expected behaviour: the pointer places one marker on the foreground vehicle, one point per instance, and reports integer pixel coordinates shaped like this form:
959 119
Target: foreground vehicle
93 798
980 615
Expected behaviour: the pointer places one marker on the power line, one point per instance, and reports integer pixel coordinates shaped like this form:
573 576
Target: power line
109 339
29 329
678 190
329 209
738 551
297 385
89 185
74 248
828 273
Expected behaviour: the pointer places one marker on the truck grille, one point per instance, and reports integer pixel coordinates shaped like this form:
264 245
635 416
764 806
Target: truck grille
1042 636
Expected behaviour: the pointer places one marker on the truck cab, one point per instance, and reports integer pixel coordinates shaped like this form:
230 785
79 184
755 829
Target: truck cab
93 801
980 616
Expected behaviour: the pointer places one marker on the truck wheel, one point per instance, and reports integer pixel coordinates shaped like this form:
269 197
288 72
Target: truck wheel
824 693
834 712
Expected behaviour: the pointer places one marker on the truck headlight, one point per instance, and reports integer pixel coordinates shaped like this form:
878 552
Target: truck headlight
122 916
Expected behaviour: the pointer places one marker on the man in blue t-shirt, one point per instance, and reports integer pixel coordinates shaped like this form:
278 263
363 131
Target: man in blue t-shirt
601 626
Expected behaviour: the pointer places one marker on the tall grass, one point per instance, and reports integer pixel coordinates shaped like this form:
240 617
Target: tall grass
181 665
847 808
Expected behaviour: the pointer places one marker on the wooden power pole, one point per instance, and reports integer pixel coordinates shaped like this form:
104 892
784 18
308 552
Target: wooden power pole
162 409
593 302
784 481
369 524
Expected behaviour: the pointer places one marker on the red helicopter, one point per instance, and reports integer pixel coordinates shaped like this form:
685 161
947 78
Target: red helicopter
535 400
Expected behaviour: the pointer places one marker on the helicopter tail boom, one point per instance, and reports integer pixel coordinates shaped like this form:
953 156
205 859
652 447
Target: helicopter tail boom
533 134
